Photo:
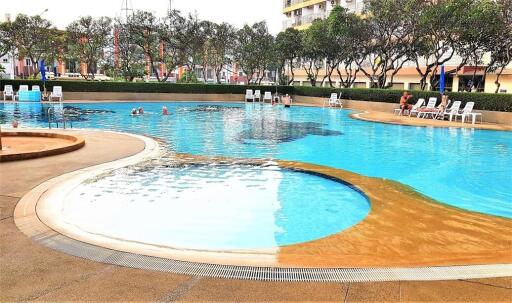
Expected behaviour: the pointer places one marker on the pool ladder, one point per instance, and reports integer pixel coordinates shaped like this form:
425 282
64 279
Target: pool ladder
65 116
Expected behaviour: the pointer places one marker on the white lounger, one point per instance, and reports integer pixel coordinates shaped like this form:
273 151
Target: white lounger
429 109
56 93
414 108
267 96
8 92
450 111
257 95
249 96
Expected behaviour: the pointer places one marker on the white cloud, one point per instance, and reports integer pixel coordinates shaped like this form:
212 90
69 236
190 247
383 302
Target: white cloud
236 12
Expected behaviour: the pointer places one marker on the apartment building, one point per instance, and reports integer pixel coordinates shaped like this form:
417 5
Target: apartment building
299 14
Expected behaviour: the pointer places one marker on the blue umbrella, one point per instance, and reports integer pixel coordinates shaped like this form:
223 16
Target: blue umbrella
42 69
442 81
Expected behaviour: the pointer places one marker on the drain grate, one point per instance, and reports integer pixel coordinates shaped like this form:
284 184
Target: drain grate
108 256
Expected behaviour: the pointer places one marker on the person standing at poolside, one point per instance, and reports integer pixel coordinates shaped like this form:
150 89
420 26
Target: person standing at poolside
404 102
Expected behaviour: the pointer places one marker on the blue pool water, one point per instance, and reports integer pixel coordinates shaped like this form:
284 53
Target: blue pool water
213 207
470 169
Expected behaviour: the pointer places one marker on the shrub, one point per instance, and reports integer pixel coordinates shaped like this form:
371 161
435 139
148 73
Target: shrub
495 102
142 87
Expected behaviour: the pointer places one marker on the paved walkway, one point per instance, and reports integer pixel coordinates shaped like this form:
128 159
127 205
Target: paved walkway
31 272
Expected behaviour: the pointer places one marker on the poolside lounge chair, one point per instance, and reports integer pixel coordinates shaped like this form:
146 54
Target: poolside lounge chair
257 95
414 108
333 101
8 92
56 93
450 111
249 97
267 96
439 112
429 109
468 112
36 88
21 89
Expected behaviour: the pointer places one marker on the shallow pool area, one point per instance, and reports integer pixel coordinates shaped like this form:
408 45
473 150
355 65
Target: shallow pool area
213 207
466 168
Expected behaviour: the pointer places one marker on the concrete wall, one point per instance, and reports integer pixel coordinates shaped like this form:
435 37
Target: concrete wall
489 116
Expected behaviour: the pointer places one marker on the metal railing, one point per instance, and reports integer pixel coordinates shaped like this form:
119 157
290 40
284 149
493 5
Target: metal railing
53 117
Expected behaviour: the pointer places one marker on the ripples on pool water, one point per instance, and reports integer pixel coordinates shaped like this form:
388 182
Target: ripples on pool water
214 207
471 169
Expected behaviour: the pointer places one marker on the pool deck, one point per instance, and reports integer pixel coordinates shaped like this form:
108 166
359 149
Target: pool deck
390 118
32 272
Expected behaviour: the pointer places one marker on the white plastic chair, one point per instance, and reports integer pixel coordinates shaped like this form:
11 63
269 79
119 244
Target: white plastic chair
452 111
334 101
56 93
8 92
36 88
468 112
257 95
249 96
267 96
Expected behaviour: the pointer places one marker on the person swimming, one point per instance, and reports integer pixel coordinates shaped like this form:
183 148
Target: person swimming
134 112
165 112
141 111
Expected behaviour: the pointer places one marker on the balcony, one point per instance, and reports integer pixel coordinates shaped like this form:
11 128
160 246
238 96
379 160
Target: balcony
297 21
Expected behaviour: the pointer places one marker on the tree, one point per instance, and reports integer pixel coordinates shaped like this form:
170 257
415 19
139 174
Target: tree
130 57
6 40
347 34
221 47
87 38
476 32
189 35
253 50
146 32
389 25
500 46
288 47
34 38
314 41
434 37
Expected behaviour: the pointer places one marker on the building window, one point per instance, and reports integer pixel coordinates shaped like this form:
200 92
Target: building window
28 62
5 60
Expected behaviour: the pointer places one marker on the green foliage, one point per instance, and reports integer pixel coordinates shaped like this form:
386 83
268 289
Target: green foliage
288 47
188 77
33 38
254 50
143 87
87 39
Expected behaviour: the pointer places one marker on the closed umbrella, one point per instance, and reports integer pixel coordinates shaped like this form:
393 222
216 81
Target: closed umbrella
442 81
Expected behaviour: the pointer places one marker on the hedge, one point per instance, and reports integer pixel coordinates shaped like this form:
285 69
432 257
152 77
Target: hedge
495 102
142 87
483 101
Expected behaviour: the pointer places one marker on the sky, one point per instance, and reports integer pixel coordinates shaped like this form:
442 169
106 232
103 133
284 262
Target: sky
236 12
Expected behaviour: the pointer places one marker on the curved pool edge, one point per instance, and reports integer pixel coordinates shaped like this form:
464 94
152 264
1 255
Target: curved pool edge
287 260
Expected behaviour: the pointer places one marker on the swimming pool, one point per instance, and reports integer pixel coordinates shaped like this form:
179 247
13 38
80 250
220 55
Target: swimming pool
466 168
